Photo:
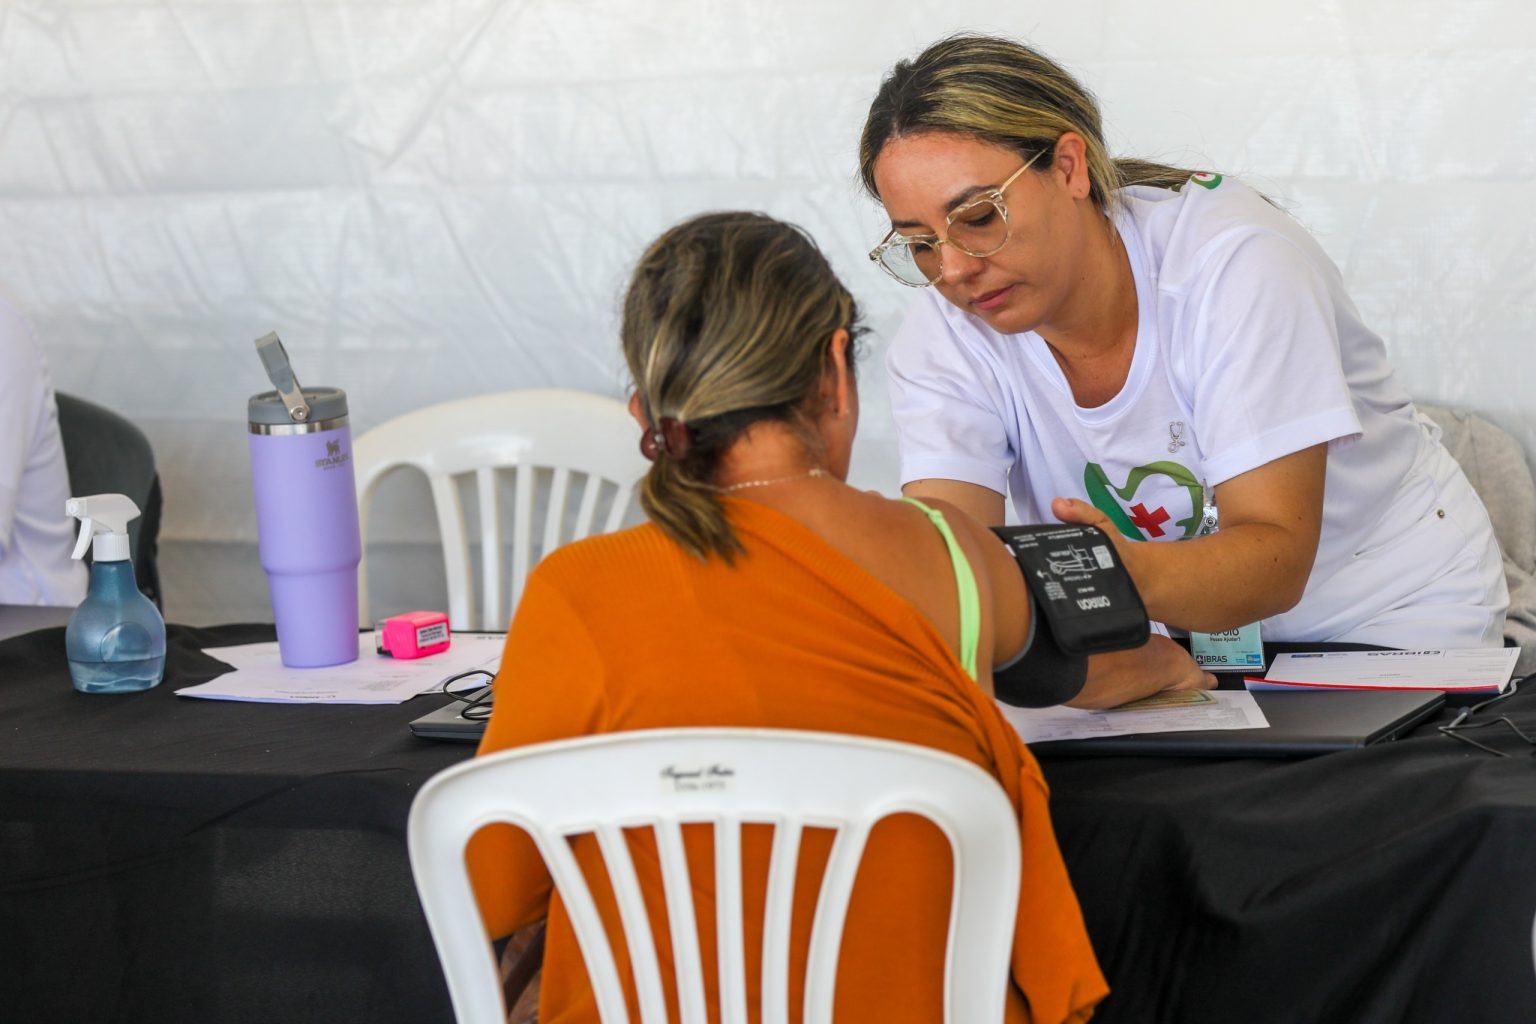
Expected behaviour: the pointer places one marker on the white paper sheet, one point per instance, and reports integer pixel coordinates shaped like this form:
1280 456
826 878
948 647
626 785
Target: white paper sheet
1472 670
259 674
1232 709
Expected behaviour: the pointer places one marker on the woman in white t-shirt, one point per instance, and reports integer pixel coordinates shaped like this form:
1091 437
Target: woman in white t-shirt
35 535
1106 339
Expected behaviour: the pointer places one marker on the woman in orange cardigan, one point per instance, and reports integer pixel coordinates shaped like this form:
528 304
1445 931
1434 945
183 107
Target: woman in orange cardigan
765 592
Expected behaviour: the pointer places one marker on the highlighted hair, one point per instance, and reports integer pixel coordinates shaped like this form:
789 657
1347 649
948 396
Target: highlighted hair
727 323
1001 92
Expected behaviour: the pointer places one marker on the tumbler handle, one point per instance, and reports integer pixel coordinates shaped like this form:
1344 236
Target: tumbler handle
275 358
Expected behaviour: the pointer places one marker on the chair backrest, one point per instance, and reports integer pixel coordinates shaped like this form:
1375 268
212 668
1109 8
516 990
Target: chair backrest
1495 464
107 454
582 442
667 778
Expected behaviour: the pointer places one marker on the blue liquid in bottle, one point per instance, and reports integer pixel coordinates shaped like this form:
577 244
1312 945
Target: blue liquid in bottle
116 639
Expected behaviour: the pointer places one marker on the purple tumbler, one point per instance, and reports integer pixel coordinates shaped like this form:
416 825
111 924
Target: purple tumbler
306 513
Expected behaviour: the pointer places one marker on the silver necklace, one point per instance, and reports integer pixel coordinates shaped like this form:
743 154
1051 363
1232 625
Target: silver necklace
818 471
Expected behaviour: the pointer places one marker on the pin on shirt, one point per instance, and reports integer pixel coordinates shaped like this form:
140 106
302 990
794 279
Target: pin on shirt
1176 436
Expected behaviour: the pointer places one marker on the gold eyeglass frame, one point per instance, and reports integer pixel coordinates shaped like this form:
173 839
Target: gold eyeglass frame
994 196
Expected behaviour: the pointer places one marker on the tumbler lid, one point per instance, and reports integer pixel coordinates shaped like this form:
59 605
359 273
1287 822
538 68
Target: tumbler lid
269 409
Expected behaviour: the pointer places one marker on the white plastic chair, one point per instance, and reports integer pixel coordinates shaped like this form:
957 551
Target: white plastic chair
792 780
587 441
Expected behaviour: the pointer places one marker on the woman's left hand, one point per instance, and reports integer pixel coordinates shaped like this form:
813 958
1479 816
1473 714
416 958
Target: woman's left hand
1080 513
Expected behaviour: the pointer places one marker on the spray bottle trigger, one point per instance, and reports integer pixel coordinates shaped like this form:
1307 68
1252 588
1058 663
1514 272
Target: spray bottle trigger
87 531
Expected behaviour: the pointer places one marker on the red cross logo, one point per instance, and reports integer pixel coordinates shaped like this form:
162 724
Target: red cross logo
1149 521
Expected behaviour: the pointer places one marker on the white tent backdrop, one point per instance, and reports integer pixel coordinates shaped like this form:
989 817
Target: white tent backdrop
436 199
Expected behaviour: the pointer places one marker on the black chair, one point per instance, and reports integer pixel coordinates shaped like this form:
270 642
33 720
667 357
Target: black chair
106 454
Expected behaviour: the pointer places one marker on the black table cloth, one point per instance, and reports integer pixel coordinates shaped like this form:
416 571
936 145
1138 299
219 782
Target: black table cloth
1379 886
170 859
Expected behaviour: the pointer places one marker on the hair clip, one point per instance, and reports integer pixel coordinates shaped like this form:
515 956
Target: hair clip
670 437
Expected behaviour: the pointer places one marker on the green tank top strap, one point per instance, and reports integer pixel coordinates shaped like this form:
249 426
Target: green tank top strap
965 585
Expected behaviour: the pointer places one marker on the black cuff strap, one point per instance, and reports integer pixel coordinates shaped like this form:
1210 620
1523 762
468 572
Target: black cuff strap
1041 676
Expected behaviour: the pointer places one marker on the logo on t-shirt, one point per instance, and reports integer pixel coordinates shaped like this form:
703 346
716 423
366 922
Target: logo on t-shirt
1135 518
1205 179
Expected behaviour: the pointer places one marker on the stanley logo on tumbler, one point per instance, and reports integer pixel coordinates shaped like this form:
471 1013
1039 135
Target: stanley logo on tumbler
334 456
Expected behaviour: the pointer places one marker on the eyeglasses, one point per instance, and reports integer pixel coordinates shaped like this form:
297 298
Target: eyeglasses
978 227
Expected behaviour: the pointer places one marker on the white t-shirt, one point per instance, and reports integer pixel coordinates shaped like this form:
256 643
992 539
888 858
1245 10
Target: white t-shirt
1247 349
36 537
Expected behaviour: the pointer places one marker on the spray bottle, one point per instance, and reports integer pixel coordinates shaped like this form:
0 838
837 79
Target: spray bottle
116 638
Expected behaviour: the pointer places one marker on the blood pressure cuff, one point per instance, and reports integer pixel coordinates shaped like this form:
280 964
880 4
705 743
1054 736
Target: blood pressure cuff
1084 602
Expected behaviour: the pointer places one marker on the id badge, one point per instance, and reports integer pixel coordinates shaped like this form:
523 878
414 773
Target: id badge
1235 650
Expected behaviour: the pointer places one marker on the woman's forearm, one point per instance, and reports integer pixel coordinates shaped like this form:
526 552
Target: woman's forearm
1236 576
1255 565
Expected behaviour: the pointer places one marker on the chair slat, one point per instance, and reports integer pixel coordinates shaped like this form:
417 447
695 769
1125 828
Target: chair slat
622 495
827 927
588 509
364 504
554 509
450 524
493 612
730 930
776 913
586 922
522 527
637 924
686 963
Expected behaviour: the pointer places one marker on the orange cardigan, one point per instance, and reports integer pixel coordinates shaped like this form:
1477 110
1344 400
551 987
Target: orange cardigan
627 631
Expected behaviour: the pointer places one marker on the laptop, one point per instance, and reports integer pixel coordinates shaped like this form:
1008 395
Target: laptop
457 721
1300 725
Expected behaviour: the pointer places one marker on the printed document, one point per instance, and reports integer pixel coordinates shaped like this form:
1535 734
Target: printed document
1231 709
260 675
1470 670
